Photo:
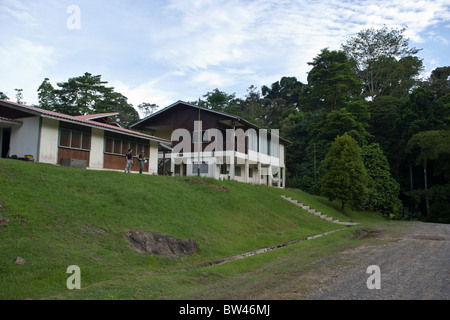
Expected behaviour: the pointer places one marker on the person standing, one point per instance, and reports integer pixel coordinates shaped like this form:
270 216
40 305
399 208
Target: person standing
141 158
129 158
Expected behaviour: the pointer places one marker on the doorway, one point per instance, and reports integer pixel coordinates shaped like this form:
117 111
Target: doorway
6 138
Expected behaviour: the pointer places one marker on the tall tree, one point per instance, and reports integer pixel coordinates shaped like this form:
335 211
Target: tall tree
19 96
384 61
46 95
117 102
439 81
344 175
429 146
79 95
217 100
86 94
383 189
147 108
331 82
288 88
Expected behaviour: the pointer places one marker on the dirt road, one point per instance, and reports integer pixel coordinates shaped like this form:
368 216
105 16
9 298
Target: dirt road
416 266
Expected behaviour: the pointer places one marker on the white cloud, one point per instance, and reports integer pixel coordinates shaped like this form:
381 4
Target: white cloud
145 92
24 65
179 49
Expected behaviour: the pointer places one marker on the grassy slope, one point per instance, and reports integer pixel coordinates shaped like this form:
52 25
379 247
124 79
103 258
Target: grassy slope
49 208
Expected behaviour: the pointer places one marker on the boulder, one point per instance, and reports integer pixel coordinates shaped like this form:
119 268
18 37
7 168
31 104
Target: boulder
153 243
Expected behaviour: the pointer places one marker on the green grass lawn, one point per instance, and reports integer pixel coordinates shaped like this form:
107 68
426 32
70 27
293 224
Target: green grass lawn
62 216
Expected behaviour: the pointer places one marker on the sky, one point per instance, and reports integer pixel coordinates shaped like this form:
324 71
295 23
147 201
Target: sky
164 51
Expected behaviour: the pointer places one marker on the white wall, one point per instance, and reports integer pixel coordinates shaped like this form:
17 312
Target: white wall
153 160
49 141
24 139
96 156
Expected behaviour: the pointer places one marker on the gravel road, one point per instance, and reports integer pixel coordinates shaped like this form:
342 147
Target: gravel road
415 267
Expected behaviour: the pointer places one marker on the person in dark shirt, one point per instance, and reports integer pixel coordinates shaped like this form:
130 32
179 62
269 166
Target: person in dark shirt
129 157
141 158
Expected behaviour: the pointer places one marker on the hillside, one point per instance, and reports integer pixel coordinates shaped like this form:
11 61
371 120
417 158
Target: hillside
55 217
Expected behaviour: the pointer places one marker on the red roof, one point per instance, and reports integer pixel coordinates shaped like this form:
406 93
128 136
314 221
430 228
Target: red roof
97 115
79 119
12 120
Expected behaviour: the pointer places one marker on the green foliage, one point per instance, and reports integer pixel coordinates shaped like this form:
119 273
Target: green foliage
344 175
439 81
383 189
384 61
331 82
431 146
3 96
86 94
288 88
47 96
217 100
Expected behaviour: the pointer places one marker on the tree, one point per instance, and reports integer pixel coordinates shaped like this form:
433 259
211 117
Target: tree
428 146
79 95
439 81
46 95
3 96
338 122
117 102
19 96
384 61
86 94
147 108
344 175
217 100
383 189
288 88
331 82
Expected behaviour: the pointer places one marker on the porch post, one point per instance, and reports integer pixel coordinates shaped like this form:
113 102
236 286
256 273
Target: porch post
246 177
259 172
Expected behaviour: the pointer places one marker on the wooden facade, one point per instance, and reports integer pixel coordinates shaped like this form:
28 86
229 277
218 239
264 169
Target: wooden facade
257 156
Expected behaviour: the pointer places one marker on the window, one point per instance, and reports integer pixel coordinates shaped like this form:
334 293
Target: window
264 144
74 137
119 145
274 147
250 173
252 140
223 169
237 171
203 167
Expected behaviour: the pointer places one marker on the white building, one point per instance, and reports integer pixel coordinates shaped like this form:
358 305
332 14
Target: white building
32 133
229 147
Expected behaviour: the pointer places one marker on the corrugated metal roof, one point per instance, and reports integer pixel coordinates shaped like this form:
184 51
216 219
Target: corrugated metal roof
80 120
97 116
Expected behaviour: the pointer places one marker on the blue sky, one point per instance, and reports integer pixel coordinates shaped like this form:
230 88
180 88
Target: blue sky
164 51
